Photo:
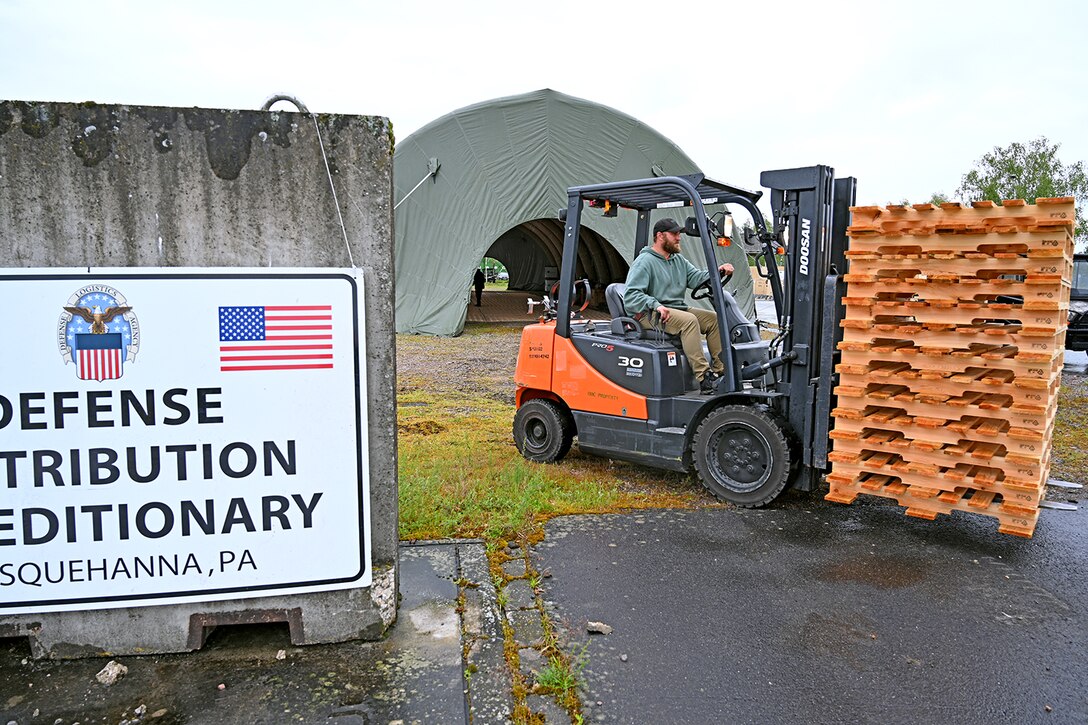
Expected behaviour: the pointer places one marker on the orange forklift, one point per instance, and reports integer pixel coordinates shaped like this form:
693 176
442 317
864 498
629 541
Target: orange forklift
628 393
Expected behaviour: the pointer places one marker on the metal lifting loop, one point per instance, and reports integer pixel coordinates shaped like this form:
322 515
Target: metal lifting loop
284 97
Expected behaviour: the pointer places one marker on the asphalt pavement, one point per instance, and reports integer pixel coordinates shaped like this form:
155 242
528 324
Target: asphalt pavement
814 612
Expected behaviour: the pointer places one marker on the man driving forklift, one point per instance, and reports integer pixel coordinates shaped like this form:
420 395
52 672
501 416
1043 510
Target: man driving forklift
656 285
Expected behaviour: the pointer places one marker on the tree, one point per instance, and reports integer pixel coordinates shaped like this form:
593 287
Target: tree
1028 172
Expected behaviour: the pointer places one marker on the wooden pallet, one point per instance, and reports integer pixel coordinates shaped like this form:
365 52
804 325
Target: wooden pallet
914 360
927 431
954 219
950 363
940 478
929 503
925 455
1029 347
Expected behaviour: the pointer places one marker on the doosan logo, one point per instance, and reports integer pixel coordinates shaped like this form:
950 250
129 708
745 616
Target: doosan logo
806 239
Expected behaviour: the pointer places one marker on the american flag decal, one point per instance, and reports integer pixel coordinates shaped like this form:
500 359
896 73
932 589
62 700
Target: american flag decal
98 357
280 337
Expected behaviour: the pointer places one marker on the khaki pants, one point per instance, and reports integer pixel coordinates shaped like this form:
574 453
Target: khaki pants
690 325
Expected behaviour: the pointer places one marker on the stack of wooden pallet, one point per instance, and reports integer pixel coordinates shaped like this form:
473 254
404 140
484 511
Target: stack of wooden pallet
952 354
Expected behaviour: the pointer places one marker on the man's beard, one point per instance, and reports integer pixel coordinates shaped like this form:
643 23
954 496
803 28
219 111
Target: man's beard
672 247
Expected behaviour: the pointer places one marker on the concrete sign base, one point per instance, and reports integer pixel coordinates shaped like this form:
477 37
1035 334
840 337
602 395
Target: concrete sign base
91 186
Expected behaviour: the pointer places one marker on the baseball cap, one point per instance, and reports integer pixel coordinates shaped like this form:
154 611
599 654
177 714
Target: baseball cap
667 225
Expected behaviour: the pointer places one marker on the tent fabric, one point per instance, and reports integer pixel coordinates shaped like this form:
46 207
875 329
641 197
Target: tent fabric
508 162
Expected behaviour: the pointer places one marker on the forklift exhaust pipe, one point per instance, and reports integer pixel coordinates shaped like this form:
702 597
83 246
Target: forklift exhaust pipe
755 370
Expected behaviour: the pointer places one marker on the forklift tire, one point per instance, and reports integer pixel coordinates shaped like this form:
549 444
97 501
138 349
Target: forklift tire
742 455
543 431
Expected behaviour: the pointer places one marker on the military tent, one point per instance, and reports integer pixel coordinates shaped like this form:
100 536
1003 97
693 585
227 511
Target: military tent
489 179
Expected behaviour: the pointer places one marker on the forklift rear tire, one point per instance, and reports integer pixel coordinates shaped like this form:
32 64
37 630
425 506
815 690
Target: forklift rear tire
543 431
742 455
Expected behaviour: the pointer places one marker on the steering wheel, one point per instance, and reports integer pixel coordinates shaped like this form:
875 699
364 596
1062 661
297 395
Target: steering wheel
702 291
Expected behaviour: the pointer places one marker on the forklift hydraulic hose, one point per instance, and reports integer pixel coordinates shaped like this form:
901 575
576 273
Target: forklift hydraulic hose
751 371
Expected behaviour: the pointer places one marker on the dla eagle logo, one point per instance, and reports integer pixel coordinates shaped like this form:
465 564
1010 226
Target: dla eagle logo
98 332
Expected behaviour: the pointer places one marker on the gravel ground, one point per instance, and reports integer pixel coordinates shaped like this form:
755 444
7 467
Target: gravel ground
484 357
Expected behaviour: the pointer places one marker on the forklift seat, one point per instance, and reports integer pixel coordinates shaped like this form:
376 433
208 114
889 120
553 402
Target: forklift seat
624 324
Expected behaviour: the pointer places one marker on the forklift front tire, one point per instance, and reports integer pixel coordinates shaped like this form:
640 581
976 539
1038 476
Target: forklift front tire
742 455
543 431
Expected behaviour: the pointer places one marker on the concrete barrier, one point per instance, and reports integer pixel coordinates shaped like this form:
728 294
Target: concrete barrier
86 185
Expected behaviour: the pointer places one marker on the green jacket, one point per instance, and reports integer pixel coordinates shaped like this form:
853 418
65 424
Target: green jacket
654 281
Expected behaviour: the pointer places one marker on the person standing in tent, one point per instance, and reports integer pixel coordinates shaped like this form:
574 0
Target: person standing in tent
656 284
478 285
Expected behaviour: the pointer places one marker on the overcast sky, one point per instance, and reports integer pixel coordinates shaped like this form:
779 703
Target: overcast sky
904 97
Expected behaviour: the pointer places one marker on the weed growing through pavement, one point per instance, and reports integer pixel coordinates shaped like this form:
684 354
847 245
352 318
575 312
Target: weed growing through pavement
557 677
561 676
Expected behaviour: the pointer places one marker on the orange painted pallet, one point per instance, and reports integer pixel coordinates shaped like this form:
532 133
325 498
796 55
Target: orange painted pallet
970 323
1024 392
963 311
856 402
1032 344
1031 436
965 389
908 290
889 268
983 248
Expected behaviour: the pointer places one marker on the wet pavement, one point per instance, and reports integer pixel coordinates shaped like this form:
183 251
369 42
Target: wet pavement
814 612
805 612
447 625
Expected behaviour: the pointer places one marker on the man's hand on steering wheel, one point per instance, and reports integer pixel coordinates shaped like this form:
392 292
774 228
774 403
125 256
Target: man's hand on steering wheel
702 291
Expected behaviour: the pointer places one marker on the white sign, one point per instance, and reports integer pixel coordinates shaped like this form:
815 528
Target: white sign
180 435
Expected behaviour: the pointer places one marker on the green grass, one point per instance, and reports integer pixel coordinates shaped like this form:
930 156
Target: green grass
561 676
494 502
1069 459
461 476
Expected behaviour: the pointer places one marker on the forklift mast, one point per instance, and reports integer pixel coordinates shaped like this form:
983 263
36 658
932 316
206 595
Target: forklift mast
811 209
